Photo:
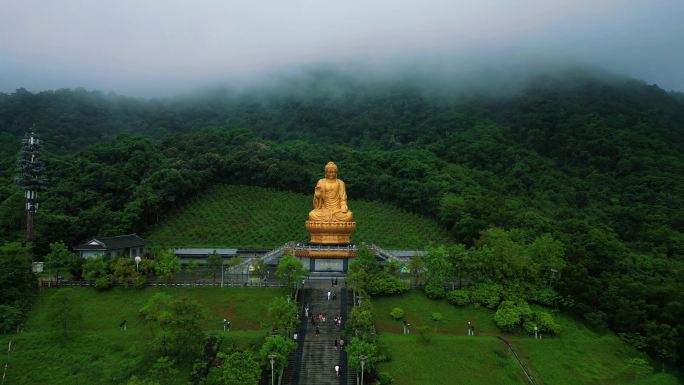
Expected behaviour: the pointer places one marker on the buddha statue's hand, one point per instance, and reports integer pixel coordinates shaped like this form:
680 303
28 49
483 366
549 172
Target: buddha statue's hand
345 209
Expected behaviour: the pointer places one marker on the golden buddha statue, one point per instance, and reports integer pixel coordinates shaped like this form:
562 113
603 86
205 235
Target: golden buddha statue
330 198
330 221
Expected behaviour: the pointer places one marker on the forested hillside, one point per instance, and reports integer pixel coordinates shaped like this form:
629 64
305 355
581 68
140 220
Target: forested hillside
596 163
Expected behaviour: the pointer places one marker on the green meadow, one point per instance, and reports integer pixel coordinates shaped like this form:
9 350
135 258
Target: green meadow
100 353
577 356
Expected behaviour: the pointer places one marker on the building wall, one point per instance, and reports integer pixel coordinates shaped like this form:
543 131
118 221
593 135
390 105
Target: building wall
91 253
325 264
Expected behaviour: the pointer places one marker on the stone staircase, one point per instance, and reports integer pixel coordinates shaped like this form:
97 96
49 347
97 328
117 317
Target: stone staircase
318 353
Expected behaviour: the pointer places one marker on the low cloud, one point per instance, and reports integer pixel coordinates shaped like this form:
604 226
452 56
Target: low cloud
151 48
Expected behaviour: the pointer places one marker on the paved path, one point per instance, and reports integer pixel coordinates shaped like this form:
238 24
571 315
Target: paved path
319 355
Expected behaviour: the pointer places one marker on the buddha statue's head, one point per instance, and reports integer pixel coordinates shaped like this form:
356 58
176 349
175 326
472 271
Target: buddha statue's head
330 171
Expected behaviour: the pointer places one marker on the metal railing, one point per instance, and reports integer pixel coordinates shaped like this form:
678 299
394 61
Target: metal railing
186 283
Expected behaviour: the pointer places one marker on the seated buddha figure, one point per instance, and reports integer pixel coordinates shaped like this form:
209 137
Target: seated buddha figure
330 198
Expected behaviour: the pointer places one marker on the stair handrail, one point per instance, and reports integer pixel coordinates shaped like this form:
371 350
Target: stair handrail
275 253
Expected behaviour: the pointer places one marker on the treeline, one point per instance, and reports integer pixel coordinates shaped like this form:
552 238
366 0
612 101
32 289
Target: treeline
596 164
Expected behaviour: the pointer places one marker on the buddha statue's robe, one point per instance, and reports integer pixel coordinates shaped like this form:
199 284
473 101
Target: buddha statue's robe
330 202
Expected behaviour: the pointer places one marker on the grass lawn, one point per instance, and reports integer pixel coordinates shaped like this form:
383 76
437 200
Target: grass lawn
419 309
102 354
577 356
580 355
449 359
243 216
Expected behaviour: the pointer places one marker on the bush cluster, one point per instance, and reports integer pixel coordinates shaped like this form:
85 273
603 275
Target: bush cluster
383 283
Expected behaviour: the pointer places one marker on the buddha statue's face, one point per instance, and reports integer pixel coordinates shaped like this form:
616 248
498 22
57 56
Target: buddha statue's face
331 173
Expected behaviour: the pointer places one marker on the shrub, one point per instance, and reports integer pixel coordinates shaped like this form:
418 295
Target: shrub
104 282
358 347
437 318
139 282
94 268
424 334
639 366
458 297
547 323
507 316
385 378
435 290
510 314
529 326
361 320
9 316
384 354
544 296
487 295
123 269
597 319
385 284
397 313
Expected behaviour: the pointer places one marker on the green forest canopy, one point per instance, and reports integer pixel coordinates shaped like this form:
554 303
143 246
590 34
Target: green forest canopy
596 163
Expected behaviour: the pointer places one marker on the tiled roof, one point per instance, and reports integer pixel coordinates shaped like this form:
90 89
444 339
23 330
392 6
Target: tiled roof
406 253
204 251
112 243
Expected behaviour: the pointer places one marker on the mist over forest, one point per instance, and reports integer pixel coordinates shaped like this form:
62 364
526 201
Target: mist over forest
591 158
538 145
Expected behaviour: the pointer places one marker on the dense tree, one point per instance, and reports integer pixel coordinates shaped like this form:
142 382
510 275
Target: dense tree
175 325
437 269
166 264
290 270
282 315
592 164
214 264
60 260
278 346
359 347
239 368
17 285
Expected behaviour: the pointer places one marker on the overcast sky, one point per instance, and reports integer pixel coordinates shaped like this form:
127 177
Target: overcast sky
154 48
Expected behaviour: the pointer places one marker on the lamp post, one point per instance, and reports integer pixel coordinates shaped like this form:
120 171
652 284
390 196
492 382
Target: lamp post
363 359
271 357
137 263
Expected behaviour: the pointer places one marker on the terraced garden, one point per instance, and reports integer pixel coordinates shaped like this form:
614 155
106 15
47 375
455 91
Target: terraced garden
242 216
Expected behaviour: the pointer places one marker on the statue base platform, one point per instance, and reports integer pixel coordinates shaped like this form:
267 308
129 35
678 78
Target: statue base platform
330 233
313 250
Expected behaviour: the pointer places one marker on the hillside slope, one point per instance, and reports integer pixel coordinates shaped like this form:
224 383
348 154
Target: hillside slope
242 216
